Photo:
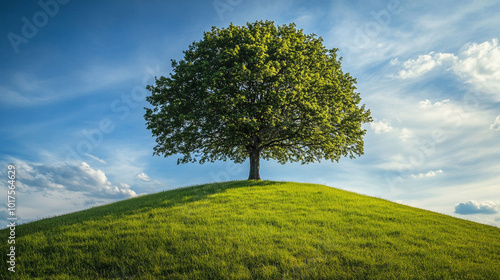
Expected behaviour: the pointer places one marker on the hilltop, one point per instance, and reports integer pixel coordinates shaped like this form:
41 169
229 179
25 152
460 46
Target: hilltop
255 230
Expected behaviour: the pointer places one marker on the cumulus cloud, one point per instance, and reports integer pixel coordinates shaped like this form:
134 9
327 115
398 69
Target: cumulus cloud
405 134
476 64
79 177
426 104
385 127
424 63
427 175
381 127
143 176
416 67
480 64
474 207
496 124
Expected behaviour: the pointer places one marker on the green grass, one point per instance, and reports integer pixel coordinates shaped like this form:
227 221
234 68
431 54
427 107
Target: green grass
254 230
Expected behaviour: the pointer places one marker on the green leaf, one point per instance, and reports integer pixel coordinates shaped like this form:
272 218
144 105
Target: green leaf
261 88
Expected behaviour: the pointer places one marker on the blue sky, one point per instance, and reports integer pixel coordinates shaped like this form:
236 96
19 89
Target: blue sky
73 77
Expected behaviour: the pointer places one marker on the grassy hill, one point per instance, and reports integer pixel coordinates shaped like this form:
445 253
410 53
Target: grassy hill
254 230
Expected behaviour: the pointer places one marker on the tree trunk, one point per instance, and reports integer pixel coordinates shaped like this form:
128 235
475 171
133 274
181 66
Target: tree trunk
254 165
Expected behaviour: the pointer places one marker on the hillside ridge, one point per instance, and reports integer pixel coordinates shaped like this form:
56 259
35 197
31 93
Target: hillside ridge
256 230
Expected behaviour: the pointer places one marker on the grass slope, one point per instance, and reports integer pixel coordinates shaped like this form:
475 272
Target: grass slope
254 230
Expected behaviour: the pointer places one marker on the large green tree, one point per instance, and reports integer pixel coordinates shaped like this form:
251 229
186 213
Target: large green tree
257 91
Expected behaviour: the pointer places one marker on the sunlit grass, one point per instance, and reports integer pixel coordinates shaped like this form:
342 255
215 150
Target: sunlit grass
255 230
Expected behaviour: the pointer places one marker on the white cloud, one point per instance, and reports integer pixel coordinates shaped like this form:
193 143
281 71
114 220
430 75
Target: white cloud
128 164
405 134
381 127
385 127
425 104
147 184
79 177
143 176
427 175
424 63
496 124
417 67
55 189
394 61
96 158
474 207
477 64
125 186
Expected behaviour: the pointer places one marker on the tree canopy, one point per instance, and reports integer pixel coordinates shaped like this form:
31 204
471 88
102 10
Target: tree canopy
257 91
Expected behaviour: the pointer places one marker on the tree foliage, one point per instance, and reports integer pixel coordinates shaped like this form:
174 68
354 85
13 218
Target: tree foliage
257 91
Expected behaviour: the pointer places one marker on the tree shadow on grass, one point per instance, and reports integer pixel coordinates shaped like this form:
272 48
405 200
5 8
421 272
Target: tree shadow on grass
135 205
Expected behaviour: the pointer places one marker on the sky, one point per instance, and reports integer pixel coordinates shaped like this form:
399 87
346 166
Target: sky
72 97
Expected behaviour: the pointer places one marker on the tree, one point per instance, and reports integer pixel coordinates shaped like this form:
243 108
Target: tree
257 91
